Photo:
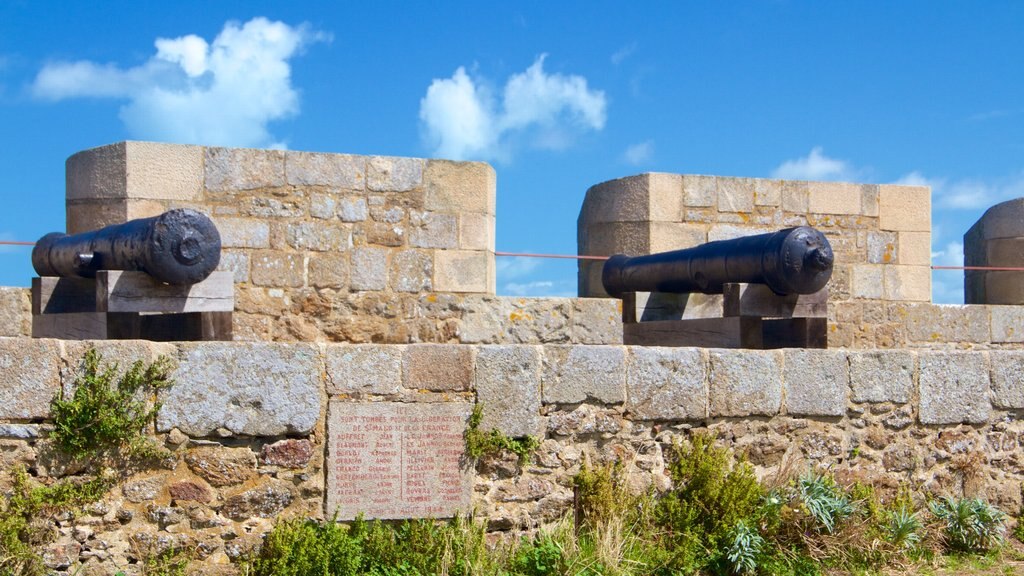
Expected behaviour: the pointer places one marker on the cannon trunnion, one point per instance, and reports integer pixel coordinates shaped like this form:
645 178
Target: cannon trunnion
763 291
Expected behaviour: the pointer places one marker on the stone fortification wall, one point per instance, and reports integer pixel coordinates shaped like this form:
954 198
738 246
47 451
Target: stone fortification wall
997 240
258 431
322 246
881 236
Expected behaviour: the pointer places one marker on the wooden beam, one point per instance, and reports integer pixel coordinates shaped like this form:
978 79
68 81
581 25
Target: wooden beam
123 291
734 332
759 300
55 295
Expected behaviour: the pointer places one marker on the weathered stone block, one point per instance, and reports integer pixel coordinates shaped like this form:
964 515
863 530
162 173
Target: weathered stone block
243 232
699 191
795 196
462 271
484 320
833 198
729 231
621 200
319 236
30 373
266 500
288 453
82 216
461 187
667 236
256 389
574 374
954 387
391 174
665 197
328 271
947 323
222 466
433 230
237 263
735 194
15 311
508 385
817 382
476 232
1007 379
234 169
909 283
1007 323
767 192
363 368
596 321
905 208
438 367
867 281
411 271
369 268
352 209
666 383
316 169
97 173
882 247
277 269
869 200
915 249
745 383
882 376
323 206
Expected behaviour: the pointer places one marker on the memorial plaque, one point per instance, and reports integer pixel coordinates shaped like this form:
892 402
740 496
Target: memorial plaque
394 460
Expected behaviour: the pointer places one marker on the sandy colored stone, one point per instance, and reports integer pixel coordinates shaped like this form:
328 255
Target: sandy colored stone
882 375
1007 379
1007 323
242 232
905 208
15 311
882 247
668 236
97 173
795 196
317 169
867 281
666 383
869 199
438 367
433 230
85 216
319 236
264 501
411 271
235 262
833 198
328 270
352 209
735 194
915 248
767 192
392 174
621 200
596 321
699 191
461 271
909 283
947 323
222 466
476 231
278 269
236 169
164 171
369 269
460 187
665 197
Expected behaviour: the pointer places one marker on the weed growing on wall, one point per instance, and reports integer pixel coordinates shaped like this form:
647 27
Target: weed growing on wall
480 443
105 417
106 414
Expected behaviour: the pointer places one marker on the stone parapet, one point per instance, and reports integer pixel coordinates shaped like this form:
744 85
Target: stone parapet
261 431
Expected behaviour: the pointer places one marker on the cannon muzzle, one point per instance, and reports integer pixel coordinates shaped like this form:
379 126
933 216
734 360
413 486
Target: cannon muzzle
177 247
791 261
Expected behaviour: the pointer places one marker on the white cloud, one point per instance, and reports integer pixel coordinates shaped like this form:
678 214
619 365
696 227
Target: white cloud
462 119
639 153
221 93
549 288
814 166
967 193
621 54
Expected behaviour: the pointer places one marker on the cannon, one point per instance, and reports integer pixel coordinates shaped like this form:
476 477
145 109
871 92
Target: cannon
791 261
179 247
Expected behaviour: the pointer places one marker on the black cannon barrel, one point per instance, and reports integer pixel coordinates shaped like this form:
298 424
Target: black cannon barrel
791 261
177 247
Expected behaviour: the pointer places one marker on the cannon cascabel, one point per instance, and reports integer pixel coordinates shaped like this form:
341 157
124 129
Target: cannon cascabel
791 261
180 246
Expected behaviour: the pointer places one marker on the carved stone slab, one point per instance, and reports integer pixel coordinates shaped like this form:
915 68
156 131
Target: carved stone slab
394 460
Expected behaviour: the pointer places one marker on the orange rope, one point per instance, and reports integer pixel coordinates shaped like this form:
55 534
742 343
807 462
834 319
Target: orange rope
559 256
15 243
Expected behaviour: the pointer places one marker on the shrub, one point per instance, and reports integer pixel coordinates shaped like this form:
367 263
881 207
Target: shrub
969 524
744 548
480 443
103 415
903 528
826 503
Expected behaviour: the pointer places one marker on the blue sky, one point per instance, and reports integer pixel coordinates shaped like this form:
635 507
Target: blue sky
557 96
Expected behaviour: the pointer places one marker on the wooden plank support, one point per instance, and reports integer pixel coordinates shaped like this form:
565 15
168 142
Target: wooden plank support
53 295
734 332
759 300
122 291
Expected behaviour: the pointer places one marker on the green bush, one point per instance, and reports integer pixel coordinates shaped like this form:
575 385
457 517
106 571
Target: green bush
969 524
107 414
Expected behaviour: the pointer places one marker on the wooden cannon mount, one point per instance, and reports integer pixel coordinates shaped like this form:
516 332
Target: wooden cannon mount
743 316
151 279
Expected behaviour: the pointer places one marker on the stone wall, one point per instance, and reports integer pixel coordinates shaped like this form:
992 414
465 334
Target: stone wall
996 240
250 427
881 234
322 246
